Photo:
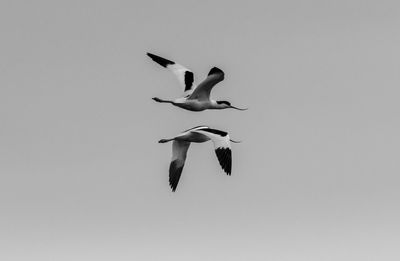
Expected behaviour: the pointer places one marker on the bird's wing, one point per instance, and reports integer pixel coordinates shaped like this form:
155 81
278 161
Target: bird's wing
179 150
222 147
184 75
203 90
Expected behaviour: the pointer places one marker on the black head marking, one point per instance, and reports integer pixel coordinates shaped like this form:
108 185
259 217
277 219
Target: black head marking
215 70
161 61
188 80
224 102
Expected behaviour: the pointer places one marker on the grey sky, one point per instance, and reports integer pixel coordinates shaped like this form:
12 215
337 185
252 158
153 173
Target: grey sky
82 176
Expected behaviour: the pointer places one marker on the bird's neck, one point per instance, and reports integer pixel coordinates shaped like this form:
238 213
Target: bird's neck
214 104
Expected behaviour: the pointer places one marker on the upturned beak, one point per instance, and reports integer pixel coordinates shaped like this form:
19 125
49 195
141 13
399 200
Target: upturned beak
236 108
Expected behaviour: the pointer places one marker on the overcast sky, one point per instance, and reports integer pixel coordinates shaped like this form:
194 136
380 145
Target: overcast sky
82 176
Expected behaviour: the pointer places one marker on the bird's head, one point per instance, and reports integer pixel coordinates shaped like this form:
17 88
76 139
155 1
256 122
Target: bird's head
226 105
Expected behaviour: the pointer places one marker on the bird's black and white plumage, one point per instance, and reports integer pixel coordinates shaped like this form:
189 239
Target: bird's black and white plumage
198 134
195 97
184 75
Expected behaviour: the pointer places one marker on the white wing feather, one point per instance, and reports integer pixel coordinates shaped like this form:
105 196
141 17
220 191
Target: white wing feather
222 147
183 74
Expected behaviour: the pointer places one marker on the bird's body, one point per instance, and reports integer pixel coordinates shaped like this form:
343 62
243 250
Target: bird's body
192 105
198 134
195 97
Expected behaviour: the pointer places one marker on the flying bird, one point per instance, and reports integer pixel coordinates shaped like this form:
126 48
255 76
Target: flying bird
180 146
194 98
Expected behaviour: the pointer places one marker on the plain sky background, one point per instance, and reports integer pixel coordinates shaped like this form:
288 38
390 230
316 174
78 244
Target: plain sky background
316 177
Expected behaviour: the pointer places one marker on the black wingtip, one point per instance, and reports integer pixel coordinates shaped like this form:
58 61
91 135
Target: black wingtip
174 175
215 70
173 188
224 156
173 185
161 61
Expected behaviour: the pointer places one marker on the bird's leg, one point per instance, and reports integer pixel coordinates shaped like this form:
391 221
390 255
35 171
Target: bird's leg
165 140
161 100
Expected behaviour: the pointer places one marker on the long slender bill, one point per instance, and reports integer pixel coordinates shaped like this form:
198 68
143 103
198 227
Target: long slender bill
240 109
